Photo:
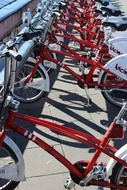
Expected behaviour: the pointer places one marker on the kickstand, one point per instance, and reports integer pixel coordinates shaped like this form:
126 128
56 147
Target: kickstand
89 100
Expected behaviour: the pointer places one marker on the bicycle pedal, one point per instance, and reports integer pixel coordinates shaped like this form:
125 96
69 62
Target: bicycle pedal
99 171
69 184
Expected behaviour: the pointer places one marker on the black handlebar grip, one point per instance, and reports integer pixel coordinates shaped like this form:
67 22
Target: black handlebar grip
28 36
18 58
15 55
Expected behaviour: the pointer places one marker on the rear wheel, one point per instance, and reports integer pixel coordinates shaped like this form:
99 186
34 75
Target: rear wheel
117 83
119 176
32 91
7 156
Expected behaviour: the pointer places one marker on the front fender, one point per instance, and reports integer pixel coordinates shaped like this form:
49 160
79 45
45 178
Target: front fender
121 153
46 81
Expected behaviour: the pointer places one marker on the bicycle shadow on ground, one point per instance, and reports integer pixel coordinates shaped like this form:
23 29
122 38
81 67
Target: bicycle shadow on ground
70 110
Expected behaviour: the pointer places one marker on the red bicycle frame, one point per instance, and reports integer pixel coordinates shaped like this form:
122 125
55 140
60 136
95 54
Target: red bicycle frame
101 146
90 78
102 49
89 19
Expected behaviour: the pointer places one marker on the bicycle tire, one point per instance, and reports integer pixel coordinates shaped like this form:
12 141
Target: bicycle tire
118 175
105 90
5 152
26 94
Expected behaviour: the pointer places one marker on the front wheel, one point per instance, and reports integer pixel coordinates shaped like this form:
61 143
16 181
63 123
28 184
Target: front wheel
109 82
119 176
31 91
7 157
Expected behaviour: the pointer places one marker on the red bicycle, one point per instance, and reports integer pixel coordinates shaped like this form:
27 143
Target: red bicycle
84 172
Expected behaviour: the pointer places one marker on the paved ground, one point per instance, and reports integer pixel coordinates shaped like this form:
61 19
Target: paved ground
64 105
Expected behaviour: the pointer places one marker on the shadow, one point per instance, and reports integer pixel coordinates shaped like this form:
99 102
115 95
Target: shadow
68 82
69 77
65 109
69 109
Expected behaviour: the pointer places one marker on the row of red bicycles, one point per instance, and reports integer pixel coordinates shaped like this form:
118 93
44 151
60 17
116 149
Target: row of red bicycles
81 30
93 48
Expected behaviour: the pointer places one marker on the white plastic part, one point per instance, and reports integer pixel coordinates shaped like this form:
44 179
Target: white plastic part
121 153
15 172
117 46
41 84
118 66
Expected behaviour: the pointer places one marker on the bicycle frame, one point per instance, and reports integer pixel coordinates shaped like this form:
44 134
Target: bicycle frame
101 146
89 78
88 41
102 50
90 19
92 78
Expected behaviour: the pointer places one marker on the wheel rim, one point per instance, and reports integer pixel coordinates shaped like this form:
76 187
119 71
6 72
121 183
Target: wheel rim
122 177
26 93
114 80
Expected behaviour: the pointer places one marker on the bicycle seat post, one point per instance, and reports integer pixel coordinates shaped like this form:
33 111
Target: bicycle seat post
6 74
13 74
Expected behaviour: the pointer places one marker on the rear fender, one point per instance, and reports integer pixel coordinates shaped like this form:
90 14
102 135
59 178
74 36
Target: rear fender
117 46
118 66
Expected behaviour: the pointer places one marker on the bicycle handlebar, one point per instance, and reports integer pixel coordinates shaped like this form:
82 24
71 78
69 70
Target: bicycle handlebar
15 55
28 36
5 51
